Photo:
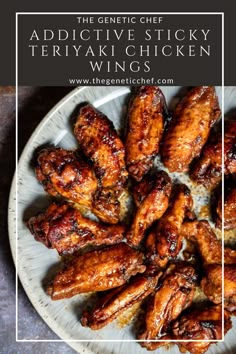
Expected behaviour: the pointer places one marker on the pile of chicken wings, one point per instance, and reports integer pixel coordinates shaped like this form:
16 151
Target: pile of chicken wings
162 254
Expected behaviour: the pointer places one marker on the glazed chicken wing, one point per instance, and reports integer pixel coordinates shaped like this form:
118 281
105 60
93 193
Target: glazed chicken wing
64 228
208 245
151 208
211 285
100 142
189 129
97 270
200 324
113 303
144 129
229 205
210 249
173 296
208 168
165 240
62 173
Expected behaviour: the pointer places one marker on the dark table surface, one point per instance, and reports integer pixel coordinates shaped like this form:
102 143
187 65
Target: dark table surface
33 104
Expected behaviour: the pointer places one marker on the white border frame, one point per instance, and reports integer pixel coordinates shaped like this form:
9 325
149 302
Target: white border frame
16 102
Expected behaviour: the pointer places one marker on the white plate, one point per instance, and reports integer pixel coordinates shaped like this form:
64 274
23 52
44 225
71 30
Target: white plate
34 259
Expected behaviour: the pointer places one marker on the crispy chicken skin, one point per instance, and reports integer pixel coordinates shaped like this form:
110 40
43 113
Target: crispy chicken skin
229 204
165 240
151 208
64 228
97 270
115 301
211 285
145 127
62 173
208 168
100 143
173 296
200 324
190 127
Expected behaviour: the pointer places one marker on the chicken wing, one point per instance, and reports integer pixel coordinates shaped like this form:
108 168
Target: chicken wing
189 129
201 324
165 240
208 168
64 228
229 205
97 270
210 249
172 297
62 173
208 245
114 302
151 208
206 241
100 142
144 129
211 285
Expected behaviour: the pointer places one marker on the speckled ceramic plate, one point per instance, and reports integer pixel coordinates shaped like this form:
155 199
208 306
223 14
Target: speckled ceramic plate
35 261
